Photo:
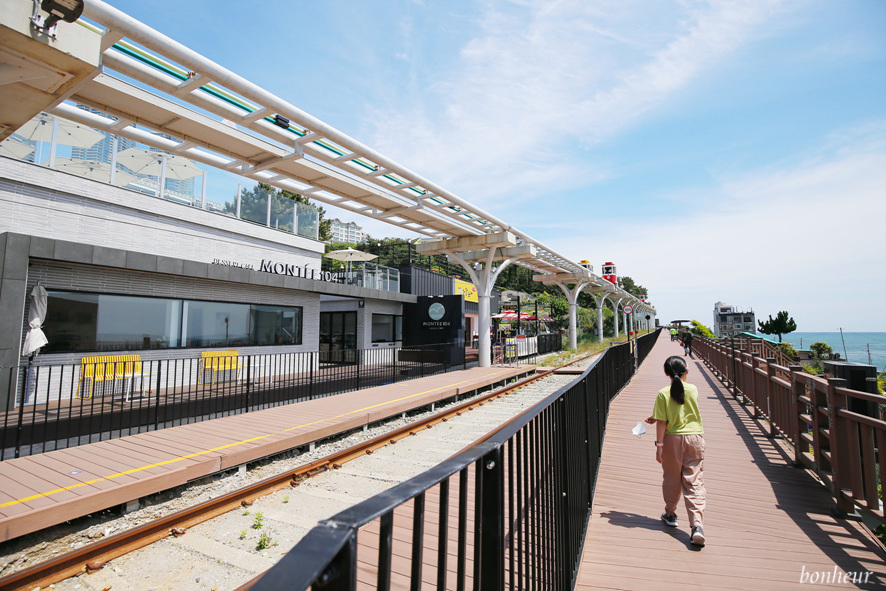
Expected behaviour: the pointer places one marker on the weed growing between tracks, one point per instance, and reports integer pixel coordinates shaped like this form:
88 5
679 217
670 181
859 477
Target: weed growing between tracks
584 349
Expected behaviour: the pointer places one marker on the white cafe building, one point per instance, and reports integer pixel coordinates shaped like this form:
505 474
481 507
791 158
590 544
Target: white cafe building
129 168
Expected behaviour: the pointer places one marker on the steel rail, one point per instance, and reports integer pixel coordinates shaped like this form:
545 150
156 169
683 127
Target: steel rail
95 555
443 416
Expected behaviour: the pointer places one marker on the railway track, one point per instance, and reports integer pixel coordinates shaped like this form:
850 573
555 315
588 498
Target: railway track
94 556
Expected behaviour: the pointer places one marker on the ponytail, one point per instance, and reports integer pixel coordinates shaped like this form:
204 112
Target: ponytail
675 368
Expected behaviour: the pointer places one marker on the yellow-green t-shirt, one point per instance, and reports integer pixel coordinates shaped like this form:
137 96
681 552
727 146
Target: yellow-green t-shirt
682 419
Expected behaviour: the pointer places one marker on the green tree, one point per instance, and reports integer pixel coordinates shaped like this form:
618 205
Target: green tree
254 207
556 303
821 350
781 324
632 288
702 330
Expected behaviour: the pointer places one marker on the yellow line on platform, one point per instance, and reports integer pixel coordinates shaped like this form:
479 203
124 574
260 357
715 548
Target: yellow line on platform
227 445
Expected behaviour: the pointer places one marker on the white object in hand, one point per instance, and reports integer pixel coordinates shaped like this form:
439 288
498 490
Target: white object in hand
639 430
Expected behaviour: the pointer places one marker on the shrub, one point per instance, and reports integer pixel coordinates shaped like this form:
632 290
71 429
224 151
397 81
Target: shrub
820 350
788 349
814 368
700 329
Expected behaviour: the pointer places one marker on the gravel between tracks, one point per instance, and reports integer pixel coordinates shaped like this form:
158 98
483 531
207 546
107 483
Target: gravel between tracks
225 552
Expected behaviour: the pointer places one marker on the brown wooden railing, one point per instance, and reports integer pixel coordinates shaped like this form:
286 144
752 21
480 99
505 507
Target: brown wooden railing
763 349
838 433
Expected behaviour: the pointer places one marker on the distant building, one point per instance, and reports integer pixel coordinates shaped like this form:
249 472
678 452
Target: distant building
348 232
101 152
729 320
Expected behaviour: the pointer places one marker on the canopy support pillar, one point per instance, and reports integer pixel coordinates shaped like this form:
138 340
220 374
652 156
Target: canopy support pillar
600 299
615 315
572 298
484 278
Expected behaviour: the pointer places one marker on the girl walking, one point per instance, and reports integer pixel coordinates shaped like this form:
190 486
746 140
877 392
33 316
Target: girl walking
679 448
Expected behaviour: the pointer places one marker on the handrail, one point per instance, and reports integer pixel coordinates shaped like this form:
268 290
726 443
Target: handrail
48 406
830 427
529 487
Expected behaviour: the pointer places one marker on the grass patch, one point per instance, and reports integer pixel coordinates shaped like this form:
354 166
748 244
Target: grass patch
583 349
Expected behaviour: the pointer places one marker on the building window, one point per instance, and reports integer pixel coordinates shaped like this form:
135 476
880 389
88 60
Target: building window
338 331
99 322
217 324
387 328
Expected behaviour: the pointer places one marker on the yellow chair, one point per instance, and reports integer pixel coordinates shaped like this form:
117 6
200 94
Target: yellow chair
120 370
219 361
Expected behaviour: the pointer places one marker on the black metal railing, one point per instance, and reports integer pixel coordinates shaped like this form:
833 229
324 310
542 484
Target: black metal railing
105 397
549 342
509 513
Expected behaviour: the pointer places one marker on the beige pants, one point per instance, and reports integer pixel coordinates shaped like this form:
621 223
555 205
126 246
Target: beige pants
682 462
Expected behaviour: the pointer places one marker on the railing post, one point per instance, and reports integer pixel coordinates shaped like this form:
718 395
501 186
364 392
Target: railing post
840 435
770 375
800 425
311 374
489 572
248 382
157 397
21 410
734 372
755 396
818 400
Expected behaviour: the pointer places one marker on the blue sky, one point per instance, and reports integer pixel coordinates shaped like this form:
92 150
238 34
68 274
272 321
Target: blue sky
731 151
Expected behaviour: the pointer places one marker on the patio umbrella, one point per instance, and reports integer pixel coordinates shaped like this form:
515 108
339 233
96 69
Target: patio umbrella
92 169
39 129
512 315
15 149
506 315
349 255
36 314
151 163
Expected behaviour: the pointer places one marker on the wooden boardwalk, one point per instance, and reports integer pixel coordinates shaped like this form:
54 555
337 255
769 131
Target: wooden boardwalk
766 522
46 489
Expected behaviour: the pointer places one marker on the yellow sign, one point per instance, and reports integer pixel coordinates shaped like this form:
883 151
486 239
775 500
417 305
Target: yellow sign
466 289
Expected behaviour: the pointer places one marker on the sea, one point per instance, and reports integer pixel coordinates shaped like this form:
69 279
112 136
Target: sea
857 345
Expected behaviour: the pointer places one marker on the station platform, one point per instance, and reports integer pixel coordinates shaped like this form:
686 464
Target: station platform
46 489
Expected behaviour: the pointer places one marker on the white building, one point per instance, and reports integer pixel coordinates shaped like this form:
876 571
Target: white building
131 273
729 320
348 232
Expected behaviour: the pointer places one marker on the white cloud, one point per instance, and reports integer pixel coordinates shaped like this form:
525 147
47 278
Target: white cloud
544 81
805 236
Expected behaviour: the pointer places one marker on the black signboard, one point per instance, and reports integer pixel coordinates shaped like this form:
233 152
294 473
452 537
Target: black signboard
438 320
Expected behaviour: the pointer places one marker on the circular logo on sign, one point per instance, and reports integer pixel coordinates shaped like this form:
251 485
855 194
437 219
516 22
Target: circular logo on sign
436 311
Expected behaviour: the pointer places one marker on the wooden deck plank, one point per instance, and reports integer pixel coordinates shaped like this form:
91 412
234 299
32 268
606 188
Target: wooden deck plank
765 521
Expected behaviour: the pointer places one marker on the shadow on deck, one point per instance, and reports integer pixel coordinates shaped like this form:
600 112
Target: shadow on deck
767 523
